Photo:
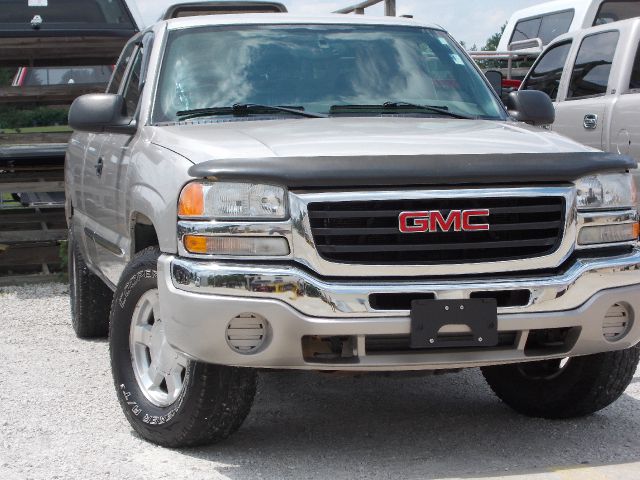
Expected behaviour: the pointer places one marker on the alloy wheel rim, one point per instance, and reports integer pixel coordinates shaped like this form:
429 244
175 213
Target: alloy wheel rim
159 368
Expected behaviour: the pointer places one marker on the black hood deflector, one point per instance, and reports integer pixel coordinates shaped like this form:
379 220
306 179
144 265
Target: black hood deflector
399 170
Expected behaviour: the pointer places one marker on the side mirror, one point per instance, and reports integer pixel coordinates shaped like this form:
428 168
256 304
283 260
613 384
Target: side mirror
495 78
100 113
531 106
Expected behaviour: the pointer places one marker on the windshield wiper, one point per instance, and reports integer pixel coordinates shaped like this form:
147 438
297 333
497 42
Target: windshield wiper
441 110
239 109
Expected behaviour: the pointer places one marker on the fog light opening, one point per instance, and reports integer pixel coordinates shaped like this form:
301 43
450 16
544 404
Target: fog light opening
617 322
625 232
247 333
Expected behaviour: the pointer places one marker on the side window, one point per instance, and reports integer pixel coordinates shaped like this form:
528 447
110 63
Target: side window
616 10
555 25
591 71
526 29
546 74
132 91
121 68
634 83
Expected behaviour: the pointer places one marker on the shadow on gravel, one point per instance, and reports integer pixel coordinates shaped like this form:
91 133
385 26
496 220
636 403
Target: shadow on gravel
312 426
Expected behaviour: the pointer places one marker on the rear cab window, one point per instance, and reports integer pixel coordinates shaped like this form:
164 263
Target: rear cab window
590 74
45 76
65 16
547 72
617 10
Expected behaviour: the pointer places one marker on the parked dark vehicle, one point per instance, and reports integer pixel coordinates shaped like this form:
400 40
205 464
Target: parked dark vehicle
113 18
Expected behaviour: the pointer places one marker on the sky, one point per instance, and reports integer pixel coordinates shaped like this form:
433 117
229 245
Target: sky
471 21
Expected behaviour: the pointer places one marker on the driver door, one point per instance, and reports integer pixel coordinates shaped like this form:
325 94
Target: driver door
105 175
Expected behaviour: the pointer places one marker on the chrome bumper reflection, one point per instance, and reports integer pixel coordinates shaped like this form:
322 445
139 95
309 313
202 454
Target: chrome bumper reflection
349 298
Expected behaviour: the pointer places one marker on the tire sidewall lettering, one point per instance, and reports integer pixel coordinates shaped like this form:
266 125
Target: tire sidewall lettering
131 284
128 390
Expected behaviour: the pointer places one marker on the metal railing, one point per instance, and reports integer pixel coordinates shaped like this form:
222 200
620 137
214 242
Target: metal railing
389 7
520 50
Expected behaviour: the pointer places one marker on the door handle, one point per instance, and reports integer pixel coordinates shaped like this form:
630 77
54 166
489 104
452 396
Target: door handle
99 167
590 121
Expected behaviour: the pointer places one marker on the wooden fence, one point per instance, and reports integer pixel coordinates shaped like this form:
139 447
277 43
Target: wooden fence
32 218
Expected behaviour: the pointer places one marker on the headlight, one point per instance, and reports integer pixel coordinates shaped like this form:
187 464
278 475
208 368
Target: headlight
232 201
607 191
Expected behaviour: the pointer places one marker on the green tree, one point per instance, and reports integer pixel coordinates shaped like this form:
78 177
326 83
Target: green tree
6 76
494 40
490 46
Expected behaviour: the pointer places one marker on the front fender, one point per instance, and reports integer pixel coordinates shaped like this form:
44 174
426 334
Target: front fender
156 179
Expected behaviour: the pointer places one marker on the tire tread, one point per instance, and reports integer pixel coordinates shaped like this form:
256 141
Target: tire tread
90 309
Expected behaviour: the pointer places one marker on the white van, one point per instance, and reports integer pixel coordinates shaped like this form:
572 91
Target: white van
552 19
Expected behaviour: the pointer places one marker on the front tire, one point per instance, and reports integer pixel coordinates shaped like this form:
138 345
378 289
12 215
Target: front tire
167 399
571 388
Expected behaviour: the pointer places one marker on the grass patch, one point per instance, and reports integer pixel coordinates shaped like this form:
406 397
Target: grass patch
52 129
8 201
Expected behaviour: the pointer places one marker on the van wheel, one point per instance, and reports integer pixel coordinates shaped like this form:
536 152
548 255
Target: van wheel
567 388
90 297
168 399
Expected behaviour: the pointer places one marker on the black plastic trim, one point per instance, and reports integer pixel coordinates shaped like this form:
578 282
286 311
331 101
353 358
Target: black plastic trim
103 242
402 170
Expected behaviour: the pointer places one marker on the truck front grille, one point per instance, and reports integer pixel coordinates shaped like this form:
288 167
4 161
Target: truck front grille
367 232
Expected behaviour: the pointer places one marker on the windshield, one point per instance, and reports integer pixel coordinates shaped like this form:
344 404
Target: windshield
320 68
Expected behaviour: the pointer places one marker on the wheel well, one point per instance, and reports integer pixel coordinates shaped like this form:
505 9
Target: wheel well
144 234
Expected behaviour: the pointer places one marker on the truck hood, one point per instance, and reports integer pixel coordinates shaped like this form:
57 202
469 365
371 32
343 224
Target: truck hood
356 136
350 152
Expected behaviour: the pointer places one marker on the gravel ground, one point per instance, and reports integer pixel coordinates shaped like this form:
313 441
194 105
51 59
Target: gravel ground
59 419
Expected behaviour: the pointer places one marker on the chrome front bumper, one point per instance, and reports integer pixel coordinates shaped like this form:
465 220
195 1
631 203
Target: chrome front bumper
200 298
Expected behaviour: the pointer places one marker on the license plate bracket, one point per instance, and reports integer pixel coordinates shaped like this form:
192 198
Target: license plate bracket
428 317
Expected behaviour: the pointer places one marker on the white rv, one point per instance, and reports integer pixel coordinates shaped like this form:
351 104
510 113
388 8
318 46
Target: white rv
552 19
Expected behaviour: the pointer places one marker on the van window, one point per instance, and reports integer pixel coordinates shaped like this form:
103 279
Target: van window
591 71
546 27
546 74
526 29
555 25
634 83
616 10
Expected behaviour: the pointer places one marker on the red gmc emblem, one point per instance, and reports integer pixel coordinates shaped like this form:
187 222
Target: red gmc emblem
434 221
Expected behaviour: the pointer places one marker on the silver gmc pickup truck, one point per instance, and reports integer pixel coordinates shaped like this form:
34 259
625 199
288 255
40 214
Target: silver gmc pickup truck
339 194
